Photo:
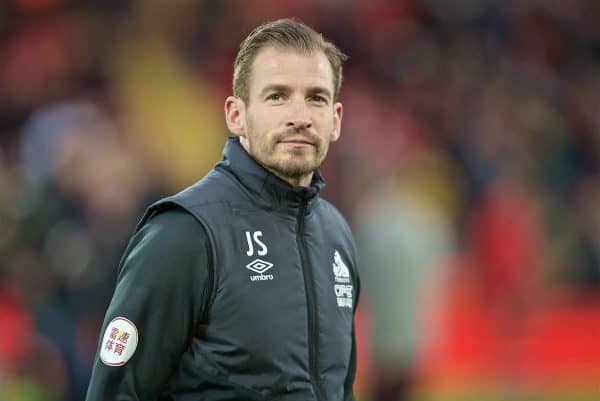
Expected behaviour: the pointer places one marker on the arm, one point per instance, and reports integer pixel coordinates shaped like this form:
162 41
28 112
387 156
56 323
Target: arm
162 285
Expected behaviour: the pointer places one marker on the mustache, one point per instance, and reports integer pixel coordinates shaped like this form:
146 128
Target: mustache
294 132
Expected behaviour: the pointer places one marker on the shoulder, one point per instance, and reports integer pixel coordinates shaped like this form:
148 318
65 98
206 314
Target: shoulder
172 228
209 195
216 187
335 217
173 219
167 242
333 221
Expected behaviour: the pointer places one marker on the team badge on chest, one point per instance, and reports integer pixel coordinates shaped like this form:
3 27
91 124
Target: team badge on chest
342 287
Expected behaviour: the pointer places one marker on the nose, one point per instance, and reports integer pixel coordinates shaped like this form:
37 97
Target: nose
299 117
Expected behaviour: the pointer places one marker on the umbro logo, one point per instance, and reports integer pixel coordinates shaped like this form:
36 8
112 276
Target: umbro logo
259 266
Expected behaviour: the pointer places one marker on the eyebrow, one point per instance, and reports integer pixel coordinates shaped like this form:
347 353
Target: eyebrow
319 90
274 88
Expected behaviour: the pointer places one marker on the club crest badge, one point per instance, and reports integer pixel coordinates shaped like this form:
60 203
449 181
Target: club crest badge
343 288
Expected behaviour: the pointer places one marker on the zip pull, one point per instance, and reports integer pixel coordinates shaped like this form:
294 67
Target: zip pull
303 208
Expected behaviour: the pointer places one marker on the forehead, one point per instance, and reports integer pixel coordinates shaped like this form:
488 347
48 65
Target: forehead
274 65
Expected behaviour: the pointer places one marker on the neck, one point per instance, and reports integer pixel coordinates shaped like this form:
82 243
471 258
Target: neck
303 181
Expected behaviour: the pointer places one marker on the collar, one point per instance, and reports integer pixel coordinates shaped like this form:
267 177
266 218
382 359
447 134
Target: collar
262 183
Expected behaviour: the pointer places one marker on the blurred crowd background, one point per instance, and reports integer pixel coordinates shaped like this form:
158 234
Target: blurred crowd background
468 168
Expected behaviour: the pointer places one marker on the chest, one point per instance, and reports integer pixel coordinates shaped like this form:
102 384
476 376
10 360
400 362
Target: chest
276 275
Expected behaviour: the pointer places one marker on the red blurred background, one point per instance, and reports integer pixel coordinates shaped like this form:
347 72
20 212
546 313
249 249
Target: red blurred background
468 167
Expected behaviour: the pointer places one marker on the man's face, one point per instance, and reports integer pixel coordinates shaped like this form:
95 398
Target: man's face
291 116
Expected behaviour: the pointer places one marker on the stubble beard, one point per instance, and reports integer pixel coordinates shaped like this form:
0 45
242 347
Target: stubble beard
293 164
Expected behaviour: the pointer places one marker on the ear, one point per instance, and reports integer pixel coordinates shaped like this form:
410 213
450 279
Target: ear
235 116
338 112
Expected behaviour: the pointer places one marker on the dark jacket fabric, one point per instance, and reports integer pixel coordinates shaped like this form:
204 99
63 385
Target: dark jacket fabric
241 287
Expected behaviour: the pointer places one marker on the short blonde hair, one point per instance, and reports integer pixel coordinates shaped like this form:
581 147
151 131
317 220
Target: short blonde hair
286 33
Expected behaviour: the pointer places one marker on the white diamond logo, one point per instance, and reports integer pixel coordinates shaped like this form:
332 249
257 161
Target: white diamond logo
260 266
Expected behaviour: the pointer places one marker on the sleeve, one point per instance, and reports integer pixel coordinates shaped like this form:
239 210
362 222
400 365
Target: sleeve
162 287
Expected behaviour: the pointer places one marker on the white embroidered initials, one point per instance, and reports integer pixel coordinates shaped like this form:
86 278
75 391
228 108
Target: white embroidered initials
256 237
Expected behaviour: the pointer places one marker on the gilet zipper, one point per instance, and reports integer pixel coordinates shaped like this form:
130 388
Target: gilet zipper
313 321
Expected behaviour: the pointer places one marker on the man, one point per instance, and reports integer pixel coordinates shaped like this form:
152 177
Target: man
244 285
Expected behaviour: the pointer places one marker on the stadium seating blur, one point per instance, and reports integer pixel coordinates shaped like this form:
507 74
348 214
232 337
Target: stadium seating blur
469 168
